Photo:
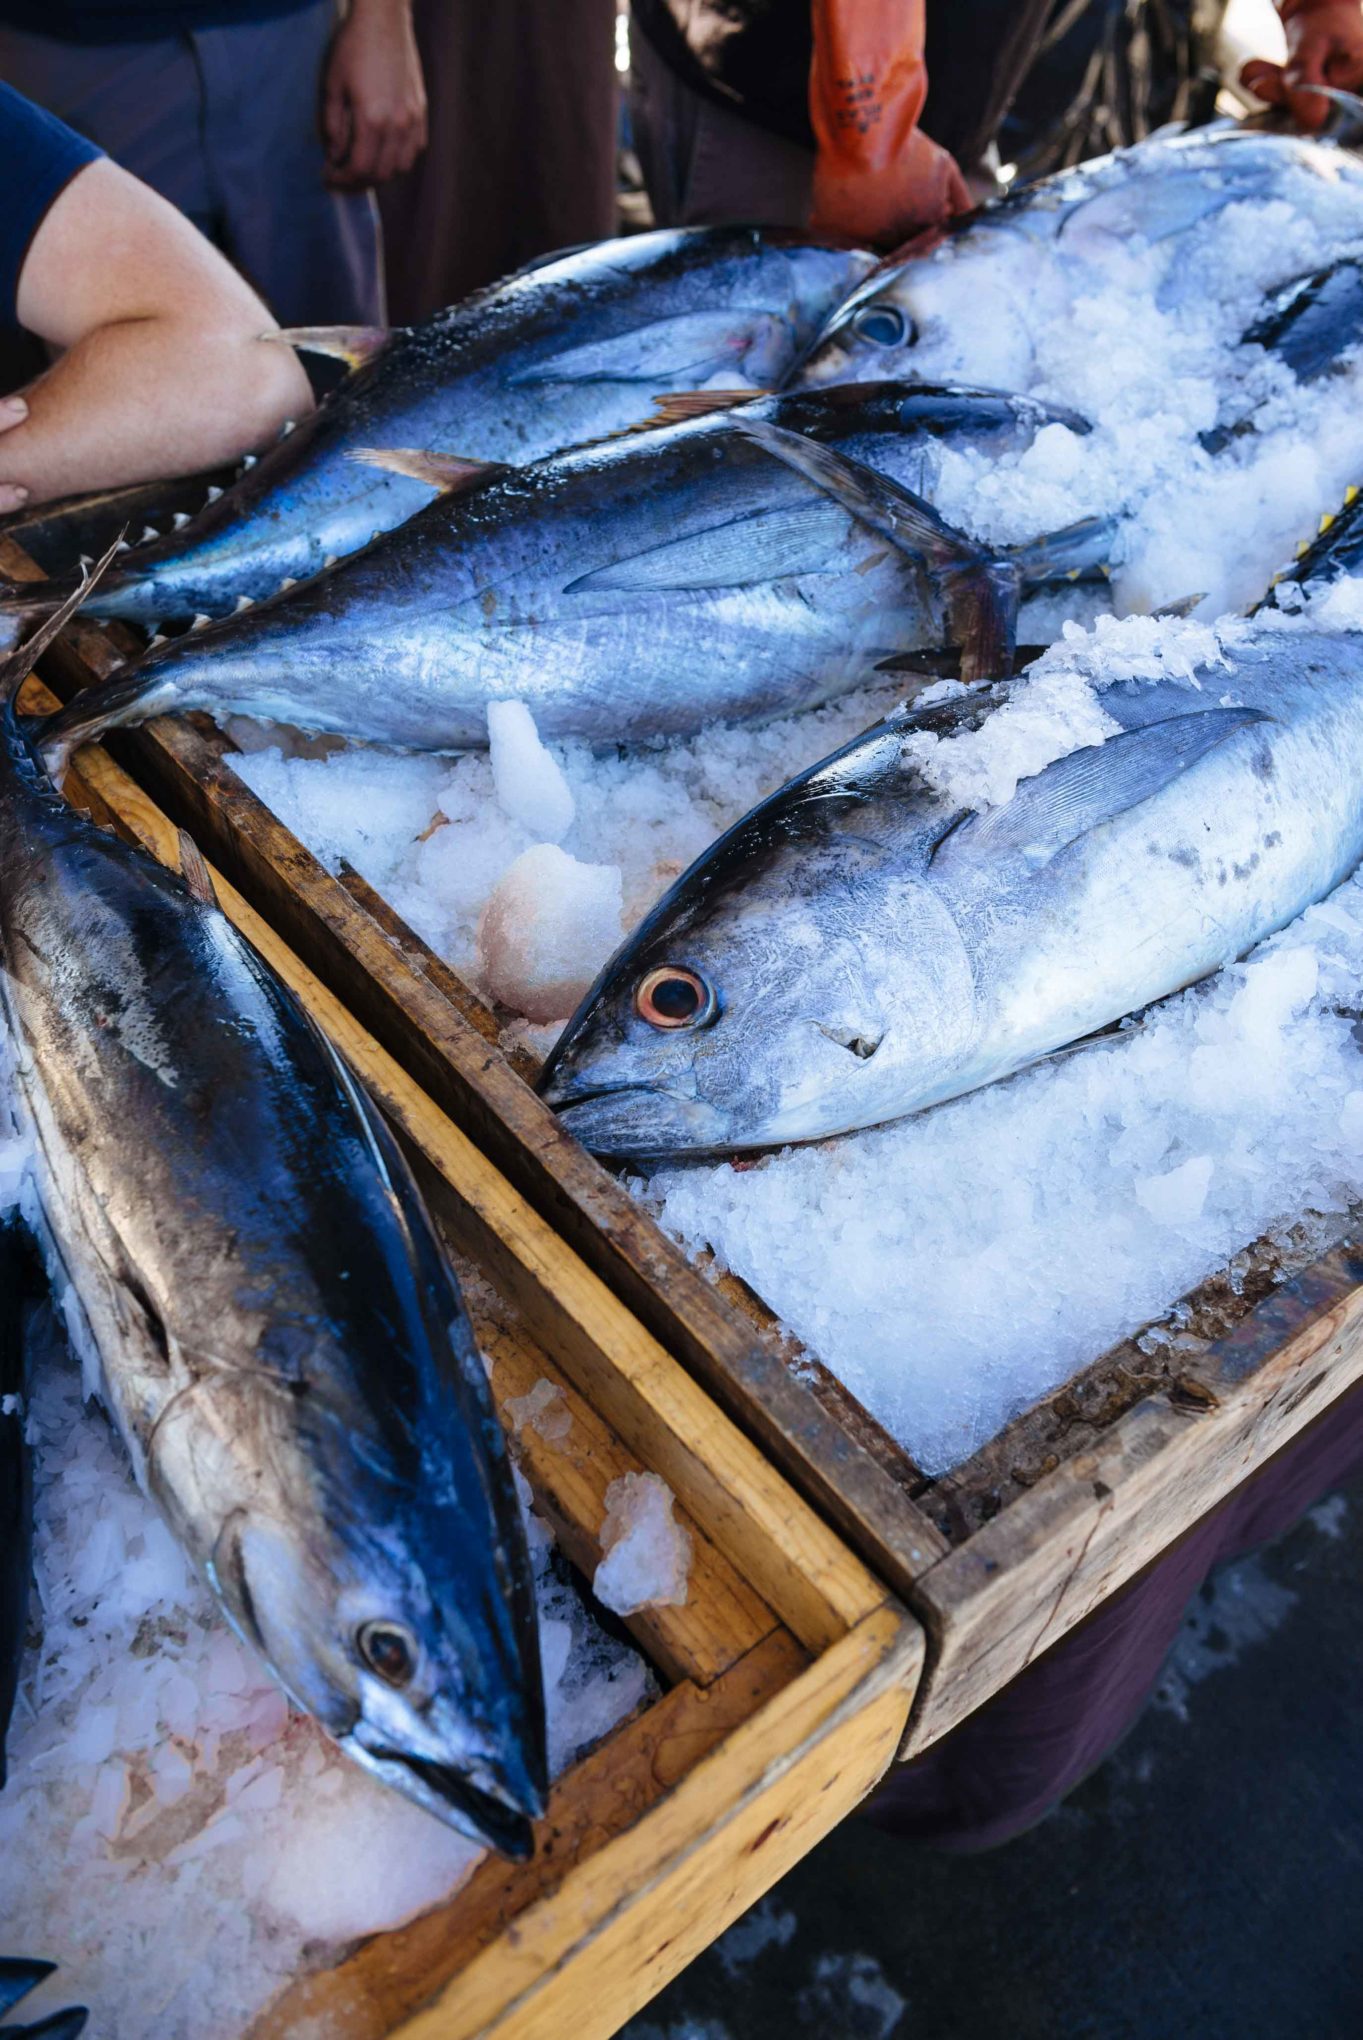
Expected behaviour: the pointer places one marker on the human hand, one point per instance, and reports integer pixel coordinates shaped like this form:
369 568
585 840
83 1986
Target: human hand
373 97
13 411
887 204
1324 47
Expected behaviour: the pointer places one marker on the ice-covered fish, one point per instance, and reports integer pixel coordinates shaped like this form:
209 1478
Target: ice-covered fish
1311 324
563 353
16 1475
735 565
876 937
1008 264
280 1340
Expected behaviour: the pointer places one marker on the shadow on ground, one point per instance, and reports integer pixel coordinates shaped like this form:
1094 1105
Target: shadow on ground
1207 1880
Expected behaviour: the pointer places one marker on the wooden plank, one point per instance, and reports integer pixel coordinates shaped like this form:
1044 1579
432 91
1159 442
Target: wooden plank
585 1960
1021 1582
390 1976
570 1459
794 1562
437 1030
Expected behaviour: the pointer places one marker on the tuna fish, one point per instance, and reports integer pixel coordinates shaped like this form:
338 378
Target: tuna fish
564 353
1004 269
870 940
281 1342
735 565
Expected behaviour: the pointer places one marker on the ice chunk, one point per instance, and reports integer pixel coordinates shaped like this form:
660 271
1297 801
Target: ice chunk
529 780
1177 1197
546 930
647 1560
543 1409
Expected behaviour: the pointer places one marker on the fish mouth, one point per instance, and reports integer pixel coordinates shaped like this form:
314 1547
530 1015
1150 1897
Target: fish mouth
633 1119
495 1820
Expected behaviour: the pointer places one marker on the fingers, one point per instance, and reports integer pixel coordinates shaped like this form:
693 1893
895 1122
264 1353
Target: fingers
1277 86
12 496
1264 80
13 411
375 146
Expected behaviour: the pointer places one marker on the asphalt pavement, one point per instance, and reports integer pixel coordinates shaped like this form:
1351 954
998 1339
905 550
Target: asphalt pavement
1205 1883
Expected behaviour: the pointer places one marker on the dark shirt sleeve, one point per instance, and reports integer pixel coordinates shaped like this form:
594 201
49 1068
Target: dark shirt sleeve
40 155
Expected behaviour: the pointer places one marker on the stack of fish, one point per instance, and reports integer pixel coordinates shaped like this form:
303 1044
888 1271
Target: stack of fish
685 477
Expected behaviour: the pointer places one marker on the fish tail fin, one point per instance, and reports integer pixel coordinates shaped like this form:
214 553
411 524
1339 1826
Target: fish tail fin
129 697
55 614
1079 551
978 588
21 604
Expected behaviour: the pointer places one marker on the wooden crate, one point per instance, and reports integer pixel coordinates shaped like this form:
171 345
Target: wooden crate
998 1560
786 1677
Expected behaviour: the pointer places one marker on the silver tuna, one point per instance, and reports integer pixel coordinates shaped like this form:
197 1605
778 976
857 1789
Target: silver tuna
862 945
739 565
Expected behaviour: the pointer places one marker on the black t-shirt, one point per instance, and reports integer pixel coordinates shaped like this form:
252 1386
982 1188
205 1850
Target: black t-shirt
100 21
39 155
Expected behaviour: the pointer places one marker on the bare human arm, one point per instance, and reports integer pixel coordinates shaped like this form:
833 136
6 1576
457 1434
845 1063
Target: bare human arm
1324 47
161 370
877 176
373 96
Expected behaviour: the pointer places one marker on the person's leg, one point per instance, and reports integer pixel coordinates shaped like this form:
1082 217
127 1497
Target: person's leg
142 102
702 164
313 254
492 193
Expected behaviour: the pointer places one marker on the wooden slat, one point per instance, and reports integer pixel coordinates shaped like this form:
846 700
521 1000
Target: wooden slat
586 1959
722 1619
1020 1583
390 1977
444 1036
791 1558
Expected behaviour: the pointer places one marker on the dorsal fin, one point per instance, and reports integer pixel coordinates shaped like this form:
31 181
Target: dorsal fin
443 471
679 405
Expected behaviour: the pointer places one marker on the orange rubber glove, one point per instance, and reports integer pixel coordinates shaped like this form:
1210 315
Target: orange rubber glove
877 177
1324 47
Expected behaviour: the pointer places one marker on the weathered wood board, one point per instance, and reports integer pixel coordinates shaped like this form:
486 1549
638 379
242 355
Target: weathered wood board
999 1559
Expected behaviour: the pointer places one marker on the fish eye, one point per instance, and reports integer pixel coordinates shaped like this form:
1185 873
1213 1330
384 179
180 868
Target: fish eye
673 996
388 1649
882 325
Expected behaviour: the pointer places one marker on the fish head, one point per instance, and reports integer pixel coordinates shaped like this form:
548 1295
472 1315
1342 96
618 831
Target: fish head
372 1567
872 335
796 982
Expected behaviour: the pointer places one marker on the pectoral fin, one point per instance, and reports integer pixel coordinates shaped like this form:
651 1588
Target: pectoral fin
1082 791
352 344
770 545
979 588
443 471
687 348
